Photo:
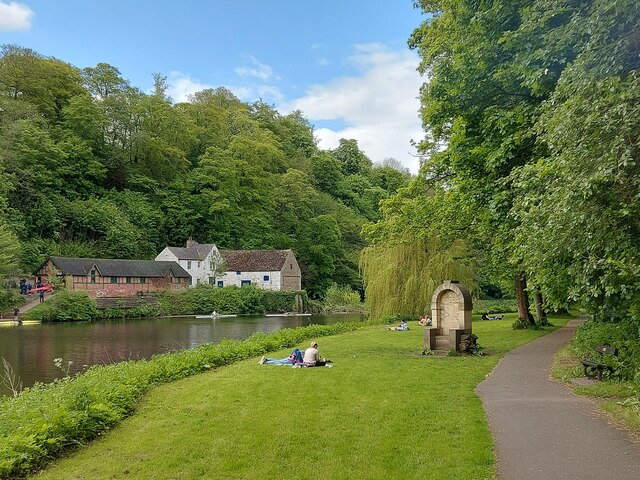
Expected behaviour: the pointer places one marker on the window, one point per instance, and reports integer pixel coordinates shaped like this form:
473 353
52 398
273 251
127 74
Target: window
220 284
245 282
265 278
199 263
143 280
93 276
128 279
212 280
114 279
188 264
238 273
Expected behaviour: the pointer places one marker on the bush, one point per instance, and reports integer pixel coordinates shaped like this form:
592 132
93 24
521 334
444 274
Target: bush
340 298
502 305
204 299
64 307
624 335
46 420
9 299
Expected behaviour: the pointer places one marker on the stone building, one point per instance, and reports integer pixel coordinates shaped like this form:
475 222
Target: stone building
113 278
201 261
266 269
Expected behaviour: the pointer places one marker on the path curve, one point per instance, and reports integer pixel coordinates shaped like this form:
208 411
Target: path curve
541 430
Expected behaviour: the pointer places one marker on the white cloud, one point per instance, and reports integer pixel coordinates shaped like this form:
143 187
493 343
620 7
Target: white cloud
319 52
181 85
15 16
379 106
258 70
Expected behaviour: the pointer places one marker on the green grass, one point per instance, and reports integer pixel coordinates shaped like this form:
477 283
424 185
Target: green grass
383 411
610 393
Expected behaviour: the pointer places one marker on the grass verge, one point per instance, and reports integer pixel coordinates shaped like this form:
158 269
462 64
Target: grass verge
383 411
611 394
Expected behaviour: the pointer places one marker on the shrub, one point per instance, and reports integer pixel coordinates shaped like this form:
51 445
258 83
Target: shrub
9 298
46 420
64 307
204 299
341 298
624 335
502 305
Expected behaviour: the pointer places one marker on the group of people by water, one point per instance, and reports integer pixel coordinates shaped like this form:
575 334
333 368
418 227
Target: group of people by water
300 358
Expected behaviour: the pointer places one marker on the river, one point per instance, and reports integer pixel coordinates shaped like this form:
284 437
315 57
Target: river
31 349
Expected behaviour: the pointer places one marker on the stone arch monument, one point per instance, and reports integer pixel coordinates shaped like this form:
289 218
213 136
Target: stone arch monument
451 307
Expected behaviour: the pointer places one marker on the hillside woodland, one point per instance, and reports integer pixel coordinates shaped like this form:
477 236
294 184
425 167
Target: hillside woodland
92 166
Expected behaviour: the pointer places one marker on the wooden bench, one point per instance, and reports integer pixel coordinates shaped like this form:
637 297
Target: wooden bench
595 369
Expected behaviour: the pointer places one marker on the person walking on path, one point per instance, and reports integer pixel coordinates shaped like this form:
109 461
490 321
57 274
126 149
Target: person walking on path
41 296
542 430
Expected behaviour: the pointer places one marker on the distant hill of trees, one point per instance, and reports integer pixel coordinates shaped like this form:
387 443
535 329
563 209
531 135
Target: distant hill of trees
92 166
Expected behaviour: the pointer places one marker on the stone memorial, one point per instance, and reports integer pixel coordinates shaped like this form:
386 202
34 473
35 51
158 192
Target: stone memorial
451 307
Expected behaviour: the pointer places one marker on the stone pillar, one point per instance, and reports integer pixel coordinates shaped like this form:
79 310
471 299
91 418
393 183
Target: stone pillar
429 339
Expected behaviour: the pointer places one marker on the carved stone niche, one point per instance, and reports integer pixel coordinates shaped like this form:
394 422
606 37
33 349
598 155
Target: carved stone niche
451 308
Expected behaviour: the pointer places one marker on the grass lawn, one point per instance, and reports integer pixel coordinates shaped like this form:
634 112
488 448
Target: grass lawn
382 412
611 393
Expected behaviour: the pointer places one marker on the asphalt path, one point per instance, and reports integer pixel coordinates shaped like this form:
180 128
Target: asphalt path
541 430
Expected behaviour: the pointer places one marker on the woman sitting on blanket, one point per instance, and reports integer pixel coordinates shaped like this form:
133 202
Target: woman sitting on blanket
402 327
312 357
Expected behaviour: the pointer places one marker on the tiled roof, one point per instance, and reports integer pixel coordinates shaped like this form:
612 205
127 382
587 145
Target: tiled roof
196 252
118 268
254 260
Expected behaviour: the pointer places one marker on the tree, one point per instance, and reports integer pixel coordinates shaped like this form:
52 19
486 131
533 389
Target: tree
400 277
480 113
588 185
351 158
9 251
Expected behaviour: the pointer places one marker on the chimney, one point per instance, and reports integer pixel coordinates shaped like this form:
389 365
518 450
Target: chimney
190 242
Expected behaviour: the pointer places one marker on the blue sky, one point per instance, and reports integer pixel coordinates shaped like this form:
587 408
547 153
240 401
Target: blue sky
344 63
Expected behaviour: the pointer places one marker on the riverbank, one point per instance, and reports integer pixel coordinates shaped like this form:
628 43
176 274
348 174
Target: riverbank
383 411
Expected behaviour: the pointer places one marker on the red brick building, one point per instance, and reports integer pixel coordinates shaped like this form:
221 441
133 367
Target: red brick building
114 278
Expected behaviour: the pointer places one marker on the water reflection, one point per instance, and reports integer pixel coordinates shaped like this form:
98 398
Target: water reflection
31 349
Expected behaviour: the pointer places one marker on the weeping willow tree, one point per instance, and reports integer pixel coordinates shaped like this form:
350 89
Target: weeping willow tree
400 278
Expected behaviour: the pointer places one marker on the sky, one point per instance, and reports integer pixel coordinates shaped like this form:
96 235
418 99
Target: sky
344 63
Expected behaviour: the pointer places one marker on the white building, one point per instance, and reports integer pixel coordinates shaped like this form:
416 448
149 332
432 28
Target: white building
266 269
199 260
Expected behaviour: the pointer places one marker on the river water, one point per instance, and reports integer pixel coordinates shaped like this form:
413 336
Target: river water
31 349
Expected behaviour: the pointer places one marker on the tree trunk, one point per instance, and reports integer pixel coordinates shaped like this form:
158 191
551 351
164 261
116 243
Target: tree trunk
524 315
540 313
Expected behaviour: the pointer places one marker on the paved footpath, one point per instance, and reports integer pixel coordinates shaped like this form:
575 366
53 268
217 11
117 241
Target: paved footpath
541 430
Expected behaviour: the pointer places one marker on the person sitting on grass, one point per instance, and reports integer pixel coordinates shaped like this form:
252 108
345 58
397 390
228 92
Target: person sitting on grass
425 321
485 316
404 326
312 357
294 359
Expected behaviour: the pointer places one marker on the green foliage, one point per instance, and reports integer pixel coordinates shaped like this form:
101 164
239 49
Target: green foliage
502 305
9 251
401 277
44 421
64 306
93 167
9 298
342 297
623 335
204 299
588 185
